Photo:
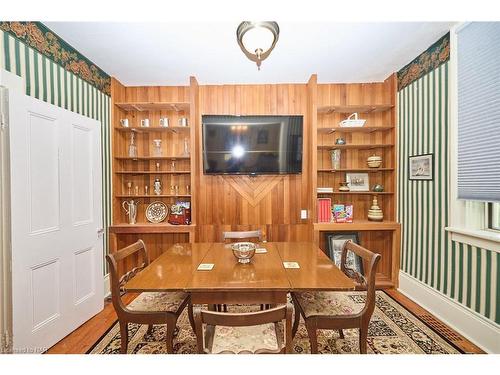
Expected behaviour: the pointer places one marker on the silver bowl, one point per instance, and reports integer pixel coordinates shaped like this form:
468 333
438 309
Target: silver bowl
243 251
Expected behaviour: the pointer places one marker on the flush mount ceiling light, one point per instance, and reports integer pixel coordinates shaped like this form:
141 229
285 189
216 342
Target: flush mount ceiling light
257 39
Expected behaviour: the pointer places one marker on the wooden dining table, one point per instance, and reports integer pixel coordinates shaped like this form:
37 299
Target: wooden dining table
264 280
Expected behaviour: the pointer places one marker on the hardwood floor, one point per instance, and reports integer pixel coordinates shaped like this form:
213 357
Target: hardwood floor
458 340
82 339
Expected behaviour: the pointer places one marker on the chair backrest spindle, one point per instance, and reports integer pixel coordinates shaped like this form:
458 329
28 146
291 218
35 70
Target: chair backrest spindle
239 235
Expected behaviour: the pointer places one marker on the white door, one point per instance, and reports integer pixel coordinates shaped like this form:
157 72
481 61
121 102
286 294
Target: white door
56 219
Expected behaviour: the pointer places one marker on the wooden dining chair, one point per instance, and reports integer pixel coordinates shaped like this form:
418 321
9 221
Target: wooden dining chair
239 235
149 307
242 235
336 310
261 332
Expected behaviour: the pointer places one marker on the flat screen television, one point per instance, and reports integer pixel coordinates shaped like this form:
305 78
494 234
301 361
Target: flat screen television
252 145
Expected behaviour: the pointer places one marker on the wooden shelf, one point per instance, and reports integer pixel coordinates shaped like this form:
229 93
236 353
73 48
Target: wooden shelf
153 172
367 170
368 108
355 146
362 129
358 193
151 228
152 129
153 196
154 106
153 158
357 225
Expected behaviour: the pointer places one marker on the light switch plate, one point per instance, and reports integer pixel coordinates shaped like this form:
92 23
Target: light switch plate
303 214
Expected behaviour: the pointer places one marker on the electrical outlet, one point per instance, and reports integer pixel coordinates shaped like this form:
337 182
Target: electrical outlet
303 214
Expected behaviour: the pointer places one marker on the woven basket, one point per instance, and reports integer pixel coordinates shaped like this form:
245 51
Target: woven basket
351 122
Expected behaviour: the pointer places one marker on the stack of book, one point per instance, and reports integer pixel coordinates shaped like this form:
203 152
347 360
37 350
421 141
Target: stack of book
324 190
324 210
342 213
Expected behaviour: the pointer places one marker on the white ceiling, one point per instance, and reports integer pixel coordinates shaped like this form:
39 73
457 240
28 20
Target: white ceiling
168 53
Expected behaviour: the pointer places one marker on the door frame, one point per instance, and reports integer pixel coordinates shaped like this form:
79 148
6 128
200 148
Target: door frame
8 82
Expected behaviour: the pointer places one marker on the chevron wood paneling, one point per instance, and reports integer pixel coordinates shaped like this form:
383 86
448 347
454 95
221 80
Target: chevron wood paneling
253 189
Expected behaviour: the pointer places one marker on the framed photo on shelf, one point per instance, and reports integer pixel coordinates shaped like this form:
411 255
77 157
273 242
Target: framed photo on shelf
421 167
335 242
358 181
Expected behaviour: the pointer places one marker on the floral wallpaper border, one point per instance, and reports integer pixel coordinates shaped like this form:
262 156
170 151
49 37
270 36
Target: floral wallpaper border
427 61
41 38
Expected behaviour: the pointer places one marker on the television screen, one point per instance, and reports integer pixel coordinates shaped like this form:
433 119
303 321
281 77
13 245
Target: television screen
252 144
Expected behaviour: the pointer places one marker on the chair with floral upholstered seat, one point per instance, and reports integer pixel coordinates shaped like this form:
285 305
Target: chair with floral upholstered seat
337 310
261 332
149 307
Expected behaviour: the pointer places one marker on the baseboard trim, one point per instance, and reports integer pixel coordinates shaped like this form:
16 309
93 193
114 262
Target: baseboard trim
476 328
107 287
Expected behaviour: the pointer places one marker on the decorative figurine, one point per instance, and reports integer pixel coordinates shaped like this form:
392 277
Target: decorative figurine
132 148
335 155
157 186
378 188
136 189
186 147
375 213
157 151
146 190
129 187
157 167
340 141
172 166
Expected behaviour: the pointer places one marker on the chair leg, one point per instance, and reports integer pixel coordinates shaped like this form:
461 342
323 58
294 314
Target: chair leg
191 316
341 334
123 337
313 339
150 329
296 321
363 336
170 336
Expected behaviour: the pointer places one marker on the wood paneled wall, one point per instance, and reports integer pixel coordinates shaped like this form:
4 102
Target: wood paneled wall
272 203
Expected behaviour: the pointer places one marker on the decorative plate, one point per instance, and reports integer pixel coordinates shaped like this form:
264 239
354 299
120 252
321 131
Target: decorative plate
156 212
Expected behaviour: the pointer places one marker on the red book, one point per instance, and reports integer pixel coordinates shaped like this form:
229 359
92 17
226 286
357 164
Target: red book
324 210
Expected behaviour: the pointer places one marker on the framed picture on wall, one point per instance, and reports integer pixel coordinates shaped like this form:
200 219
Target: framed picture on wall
421 167
335 242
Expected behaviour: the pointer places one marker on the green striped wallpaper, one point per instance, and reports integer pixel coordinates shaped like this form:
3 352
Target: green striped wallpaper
46 80
467 274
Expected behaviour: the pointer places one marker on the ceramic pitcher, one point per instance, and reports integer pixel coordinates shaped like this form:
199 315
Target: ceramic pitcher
130 208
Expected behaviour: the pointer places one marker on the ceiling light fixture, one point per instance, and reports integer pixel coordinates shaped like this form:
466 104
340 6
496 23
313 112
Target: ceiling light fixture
257 39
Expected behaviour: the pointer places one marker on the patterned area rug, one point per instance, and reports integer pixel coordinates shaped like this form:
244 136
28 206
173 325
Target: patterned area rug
392 330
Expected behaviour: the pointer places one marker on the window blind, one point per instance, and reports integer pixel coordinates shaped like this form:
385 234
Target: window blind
478 64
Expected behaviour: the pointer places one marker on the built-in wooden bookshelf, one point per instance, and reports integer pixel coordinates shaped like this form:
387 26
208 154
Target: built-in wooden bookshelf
175 166
374 102
270 203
